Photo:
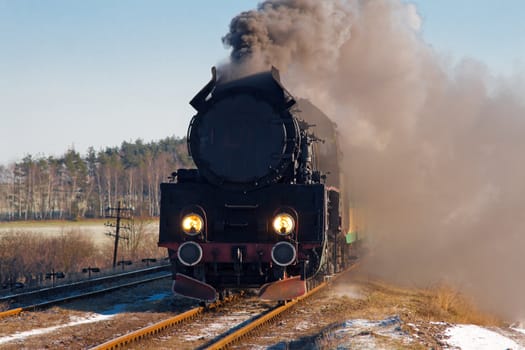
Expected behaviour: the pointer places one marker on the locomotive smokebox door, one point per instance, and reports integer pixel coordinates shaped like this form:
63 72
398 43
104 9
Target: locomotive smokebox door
244 136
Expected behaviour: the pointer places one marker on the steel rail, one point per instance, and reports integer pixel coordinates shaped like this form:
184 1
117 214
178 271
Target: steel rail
149 330
49 303
11 312
159 326
223 342
85 283
229 339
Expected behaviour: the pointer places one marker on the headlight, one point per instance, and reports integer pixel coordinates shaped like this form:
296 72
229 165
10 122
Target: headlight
192 224
283 224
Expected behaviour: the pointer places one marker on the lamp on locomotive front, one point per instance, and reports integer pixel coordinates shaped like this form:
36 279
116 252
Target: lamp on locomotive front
283 224
192 224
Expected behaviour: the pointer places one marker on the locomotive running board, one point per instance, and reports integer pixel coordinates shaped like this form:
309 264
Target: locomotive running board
286 289
192 288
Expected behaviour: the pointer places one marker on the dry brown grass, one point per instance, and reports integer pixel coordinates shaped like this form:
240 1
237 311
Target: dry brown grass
425 313
26 254
441 303
449 304
438 303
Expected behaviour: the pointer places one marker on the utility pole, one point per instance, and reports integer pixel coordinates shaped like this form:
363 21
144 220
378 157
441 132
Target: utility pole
118 214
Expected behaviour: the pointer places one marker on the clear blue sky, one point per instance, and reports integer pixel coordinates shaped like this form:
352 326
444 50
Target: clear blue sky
95 73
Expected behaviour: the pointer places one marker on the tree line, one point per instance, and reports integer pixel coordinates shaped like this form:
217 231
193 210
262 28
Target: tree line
74 186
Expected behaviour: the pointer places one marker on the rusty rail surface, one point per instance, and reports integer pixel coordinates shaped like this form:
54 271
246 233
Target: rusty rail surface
229 339
261 321
149 330
160 326
222 342
11 312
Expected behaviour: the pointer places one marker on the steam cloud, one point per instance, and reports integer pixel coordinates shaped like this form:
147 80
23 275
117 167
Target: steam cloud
433 152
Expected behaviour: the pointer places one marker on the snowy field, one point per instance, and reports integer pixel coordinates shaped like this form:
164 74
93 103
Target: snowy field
96 229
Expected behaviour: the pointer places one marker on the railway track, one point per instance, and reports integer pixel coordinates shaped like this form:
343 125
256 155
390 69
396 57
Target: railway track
84 283
84 323
198 316
144 319
211 323
80 290
217 329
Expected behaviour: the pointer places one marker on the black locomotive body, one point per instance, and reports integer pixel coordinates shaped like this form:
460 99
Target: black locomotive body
257 212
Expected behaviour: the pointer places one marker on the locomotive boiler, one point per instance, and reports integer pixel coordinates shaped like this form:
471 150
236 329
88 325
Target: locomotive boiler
262 209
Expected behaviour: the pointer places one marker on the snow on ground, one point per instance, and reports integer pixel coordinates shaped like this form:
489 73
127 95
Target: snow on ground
74 321
95 231
389 327
520 330
39 331
389 333
471 337
158 296
362 334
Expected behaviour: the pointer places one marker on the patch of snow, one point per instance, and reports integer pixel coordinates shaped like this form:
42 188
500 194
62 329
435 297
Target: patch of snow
224 323
39 331
158 296
390 326
303 325
413 326
189 337
521 330
362 333
471 337
116 309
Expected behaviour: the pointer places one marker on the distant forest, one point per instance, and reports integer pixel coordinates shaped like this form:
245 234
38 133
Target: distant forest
75 186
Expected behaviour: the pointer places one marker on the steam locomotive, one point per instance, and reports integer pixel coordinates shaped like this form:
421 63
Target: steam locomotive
263 209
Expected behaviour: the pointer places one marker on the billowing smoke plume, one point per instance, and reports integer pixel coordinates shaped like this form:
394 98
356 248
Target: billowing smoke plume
433 153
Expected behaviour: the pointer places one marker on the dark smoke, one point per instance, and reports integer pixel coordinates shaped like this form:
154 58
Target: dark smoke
433 152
